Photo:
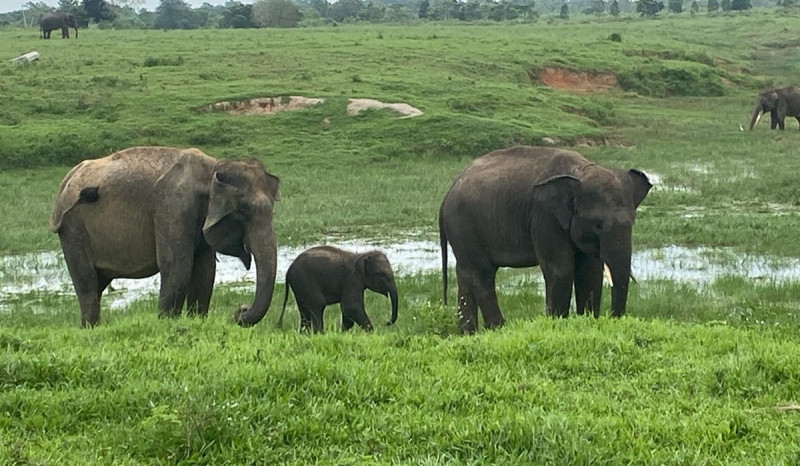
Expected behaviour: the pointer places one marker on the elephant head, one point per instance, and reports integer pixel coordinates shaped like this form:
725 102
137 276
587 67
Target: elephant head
239 224
598 208
376 272
767 101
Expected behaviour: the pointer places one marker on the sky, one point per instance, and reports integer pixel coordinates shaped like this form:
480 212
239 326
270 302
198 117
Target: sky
13 5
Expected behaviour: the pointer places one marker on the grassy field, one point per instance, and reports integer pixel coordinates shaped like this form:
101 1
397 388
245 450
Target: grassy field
696 374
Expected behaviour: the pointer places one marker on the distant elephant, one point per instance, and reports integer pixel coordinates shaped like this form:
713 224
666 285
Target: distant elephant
525 206
326 275
57 20
146 210
780 102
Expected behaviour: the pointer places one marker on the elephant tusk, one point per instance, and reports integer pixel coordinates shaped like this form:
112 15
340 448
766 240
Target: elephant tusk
757 119
607 275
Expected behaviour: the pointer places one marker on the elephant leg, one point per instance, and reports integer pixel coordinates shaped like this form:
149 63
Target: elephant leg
467 305
176 265
84 276
773 119
347 323
485 293
588 283
312 309
357 315
798 121
202 283
558 278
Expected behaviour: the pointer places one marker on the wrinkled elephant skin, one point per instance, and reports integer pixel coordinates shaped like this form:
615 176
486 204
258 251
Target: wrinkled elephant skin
148 210
525 206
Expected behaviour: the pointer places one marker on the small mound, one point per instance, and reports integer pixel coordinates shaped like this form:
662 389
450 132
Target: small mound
356 106
265 105
581 81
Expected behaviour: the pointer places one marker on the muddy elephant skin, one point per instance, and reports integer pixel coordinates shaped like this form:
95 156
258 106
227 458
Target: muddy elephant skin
326 275
167 210
525 206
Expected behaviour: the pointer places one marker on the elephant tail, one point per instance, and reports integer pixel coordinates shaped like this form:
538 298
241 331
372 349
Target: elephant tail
285 299
86 196
443 245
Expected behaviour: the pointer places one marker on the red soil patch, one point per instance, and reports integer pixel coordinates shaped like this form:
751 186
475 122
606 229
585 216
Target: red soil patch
580 81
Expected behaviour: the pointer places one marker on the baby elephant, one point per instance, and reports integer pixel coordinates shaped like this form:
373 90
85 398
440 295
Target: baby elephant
326 275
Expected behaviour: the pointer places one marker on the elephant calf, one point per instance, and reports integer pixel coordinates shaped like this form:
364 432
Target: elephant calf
326 275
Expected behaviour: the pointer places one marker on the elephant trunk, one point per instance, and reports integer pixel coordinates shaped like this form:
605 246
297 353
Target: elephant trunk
755 116
618 259
265 251
393 297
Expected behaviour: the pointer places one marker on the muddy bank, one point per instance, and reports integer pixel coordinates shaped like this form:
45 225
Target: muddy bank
46 272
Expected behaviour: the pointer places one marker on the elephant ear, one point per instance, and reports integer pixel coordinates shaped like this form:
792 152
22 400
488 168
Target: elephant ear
273 186
223 200
558 194
641 186
362 265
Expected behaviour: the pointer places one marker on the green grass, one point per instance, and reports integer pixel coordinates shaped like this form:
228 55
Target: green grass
693 376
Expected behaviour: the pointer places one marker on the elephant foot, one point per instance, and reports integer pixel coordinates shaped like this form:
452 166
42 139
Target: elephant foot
169 314
494 323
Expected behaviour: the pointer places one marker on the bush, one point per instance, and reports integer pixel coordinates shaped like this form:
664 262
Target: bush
664 80
615 37
163 61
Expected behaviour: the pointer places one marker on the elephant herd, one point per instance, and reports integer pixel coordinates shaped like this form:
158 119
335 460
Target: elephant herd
167 210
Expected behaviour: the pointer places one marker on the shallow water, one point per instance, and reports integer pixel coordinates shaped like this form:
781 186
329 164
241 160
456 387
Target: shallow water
46 272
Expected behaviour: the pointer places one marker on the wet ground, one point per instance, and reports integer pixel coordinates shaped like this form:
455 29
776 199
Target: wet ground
46 272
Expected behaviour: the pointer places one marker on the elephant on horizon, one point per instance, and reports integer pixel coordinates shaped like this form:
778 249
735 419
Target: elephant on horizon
780 102
57 20
325 275
524 206
167 210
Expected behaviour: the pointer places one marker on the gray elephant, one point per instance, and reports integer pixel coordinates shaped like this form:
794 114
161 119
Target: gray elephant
146 210
525 206
326 275
57 20
780 102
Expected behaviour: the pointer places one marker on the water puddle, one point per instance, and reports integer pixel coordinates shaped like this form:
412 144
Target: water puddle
46 272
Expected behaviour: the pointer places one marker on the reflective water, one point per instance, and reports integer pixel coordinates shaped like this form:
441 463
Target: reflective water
46 272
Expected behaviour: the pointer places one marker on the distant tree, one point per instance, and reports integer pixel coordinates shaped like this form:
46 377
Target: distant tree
424 6
675 6
176 14
713 5
237 16
147 18
739 5
726 5
97 10
564 12
344 9
320 6
613 9
649 7
599 7
276 14
694 8
397 13
371 12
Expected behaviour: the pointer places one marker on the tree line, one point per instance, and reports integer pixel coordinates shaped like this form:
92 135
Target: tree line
178 14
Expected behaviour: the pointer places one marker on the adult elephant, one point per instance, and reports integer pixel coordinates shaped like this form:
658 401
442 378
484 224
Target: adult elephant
57 20
146 210
525 206
780 102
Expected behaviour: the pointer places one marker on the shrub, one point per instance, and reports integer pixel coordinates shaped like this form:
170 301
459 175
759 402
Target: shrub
615 37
